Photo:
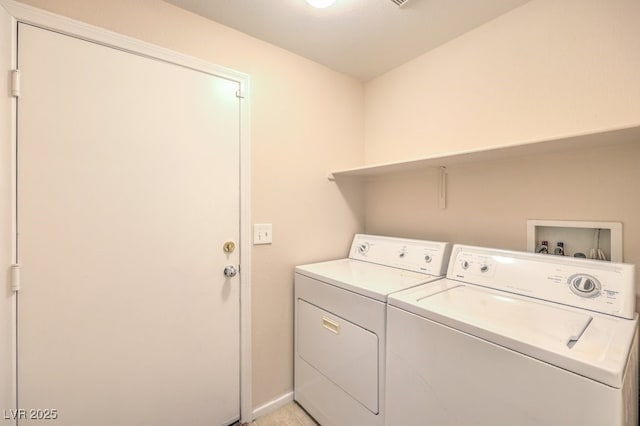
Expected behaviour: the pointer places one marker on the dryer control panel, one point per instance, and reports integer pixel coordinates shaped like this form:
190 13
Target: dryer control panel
589 284
427 257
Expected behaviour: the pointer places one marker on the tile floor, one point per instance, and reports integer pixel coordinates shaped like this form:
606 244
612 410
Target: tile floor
290 414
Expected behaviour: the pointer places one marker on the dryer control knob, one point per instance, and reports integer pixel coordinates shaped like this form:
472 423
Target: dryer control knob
428 259
363 248
464 264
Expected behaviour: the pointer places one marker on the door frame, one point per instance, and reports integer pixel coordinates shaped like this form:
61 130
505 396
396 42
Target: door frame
47 20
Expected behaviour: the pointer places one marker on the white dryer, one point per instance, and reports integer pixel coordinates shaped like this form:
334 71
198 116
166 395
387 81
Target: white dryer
513 338
340 324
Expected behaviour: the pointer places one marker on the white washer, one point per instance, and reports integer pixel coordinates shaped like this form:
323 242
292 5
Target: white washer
340 326
513 338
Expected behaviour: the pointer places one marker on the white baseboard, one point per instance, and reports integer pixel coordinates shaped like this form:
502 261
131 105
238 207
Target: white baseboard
273 405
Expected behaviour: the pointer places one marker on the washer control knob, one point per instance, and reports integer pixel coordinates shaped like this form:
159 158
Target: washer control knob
464 264
484 268
584 285
428 259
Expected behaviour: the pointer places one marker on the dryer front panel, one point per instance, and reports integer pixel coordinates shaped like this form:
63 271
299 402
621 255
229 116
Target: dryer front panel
343 352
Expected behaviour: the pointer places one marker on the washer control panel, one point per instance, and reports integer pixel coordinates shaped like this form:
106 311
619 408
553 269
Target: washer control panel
589 284
428 257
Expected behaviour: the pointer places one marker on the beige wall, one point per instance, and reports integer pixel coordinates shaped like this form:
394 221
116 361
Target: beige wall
489 202
306 120
544 70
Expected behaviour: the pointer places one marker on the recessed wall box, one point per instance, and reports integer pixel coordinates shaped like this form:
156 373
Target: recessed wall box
593 240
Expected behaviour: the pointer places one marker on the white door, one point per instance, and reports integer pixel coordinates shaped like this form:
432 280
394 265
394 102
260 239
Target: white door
128 188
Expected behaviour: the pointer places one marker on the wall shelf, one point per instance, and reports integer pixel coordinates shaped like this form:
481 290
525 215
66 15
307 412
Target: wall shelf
583 141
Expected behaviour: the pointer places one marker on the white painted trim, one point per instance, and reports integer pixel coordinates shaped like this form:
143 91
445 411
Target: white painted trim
8 148
34 16
273 405
62 24
14 220
246 363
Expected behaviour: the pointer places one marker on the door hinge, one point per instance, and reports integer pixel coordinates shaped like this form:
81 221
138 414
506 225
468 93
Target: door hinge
239 94
15 83
15 278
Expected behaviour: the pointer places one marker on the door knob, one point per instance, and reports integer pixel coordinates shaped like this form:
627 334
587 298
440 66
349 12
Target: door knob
230 271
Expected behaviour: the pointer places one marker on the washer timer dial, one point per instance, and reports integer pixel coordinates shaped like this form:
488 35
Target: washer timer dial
584 285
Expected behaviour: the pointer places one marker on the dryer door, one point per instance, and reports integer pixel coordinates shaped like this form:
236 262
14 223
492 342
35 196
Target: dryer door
343 352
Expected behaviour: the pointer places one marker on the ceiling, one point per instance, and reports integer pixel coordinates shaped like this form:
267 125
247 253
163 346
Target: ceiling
360 38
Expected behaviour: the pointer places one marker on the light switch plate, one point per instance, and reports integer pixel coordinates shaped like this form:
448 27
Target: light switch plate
262 233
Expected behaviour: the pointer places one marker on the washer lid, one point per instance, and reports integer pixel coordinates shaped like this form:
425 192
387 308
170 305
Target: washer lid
368 279
590 344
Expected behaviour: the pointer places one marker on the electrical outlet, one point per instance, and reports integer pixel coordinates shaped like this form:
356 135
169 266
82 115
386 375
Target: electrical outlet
262 233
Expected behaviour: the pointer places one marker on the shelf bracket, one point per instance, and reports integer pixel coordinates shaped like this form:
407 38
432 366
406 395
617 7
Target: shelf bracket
442 188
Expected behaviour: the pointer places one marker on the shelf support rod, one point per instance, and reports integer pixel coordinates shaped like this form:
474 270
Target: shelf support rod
442 188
